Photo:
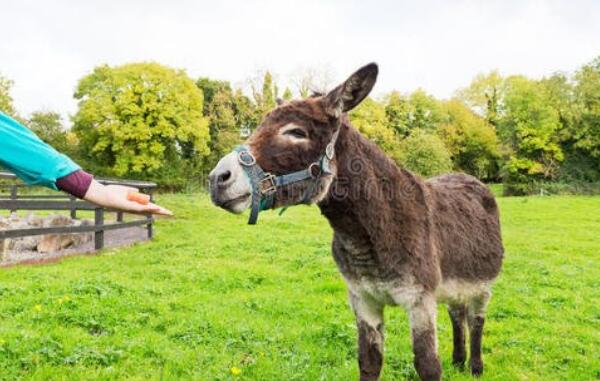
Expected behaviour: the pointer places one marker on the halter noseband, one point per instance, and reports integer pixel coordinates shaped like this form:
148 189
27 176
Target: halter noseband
264 184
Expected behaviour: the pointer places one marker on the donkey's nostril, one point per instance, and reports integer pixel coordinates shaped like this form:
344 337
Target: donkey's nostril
223 177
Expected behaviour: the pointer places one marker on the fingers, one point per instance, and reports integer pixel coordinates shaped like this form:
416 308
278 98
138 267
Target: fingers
149 209
157 209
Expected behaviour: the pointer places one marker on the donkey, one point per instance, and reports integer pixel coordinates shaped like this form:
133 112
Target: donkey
398 239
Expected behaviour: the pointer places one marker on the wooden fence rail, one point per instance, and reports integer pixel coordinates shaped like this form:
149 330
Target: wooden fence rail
15 201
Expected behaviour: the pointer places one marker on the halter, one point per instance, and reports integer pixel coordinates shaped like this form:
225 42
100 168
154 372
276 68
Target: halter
264 184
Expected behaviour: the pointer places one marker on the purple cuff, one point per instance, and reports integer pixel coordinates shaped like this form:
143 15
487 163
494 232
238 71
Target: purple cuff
77 183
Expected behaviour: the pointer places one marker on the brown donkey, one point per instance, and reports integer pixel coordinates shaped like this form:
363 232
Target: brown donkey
398 240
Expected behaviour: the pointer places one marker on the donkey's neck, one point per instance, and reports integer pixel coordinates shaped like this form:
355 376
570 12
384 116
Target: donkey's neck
372 198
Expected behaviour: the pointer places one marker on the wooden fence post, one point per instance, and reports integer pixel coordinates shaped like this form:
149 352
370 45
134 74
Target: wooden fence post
99 233
73 207
13 196
150 219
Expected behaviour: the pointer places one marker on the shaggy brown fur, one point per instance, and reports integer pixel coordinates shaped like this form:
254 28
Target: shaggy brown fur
398 240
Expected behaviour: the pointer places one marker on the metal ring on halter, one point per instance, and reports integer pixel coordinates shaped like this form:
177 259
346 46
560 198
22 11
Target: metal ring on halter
315 170
329 151
246 154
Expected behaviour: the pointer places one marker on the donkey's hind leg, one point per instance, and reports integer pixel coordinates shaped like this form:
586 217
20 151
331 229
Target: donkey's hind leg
476 318
458 316
369 320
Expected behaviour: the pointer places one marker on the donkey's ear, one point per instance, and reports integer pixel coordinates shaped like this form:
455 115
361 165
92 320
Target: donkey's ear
350 93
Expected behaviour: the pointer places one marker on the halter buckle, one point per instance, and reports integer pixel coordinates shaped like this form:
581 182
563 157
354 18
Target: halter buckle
268 184
246 159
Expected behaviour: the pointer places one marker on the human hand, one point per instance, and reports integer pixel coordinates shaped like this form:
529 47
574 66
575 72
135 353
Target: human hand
116 197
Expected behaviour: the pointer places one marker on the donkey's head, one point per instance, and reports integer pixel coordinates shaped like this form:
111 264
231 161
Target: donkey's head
289 159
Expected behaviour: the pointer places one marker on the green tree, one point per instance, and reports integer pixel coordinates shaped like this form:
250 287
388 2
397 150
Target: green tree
141 119
247 114
470 139
425 154
6 101
287 94
484 95
397 112
225 117
529 128
587 92
264 92
423 111
370 119
209 88
48 126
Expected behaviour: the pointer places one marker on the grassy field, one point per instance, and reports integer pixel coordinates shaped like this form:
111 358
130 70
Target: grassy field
212 298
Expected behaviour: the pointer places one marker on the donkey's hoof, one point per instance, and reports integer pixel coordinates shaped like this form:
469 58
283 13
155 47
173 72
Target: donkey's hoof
459 363
458 360
476 368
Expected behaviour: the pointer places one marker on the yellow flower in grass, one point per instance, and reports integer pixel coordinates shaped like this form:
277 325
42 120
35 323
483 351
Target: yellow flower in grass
37 308
235 371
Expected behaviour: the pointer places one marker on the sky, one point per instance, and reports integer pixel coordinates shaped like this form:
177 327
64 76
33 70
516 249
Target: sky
47 46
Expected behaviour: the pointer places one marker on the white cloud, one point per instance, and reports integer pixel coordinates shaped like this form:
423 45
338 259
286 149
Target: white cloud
438 45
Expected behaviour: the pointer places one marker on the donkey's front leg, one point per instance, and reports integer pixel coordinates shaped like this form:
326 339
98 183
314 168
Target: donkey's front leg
422 316
369 319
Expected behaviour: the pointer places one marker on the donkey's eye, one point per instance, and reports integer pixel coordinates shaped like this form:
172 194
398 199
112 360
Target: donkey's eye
297 133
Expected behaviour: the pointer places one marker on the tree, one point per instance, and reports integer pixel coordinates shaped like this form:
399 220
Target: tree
484 95
587 93
269 92
48 127
6 101
424 153
397 112
470 139
312 79
370 119
209 88
264 93
529 129
225 111
141 119
423 111
247 115
287 94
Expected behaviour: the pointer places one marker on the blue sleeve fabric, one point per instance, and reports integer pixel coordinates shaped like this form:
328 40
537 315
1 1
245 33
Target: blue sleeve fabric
32 160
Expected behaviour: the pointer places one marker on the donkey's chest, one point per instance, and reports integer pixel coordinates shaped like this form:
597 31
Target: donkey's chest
356 259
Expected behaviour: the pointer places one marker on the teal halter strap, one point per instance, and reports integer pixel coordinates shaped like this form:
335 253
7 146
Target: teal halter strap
264 184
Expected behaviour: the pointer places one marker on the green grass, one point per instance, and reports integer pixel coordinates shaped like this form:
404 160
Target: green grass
211 293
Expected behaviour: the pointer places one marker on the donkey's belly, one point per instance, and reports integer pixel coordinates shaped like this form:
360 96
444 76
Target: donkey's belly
456 291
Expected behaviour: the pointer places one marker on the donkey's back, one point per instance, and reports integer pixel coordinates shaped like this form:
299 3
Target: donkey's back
467 228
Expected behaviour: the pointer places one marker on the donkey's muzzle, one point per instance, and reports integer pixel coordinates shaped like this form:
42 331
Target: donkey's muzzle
228 185
220 178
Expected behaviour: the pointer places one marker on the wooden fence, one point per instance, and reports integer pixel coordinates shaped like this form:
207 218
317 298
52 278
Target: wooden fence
14 201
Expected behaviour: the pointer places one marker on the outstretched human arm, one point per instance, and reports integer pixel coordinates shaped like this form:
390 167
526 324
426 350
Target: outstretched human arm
37 163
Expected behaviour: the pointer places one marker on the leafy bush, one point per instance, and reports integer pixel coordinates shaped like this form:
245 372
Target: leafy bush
425 154
546 188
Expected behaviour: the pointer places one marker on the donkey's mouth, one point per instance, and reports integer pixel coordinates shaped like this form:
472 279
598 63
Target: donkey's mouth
231 204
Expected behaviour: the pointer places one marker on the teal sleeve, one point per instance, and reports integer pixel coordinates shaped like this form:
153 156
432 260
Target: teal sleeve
28 157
